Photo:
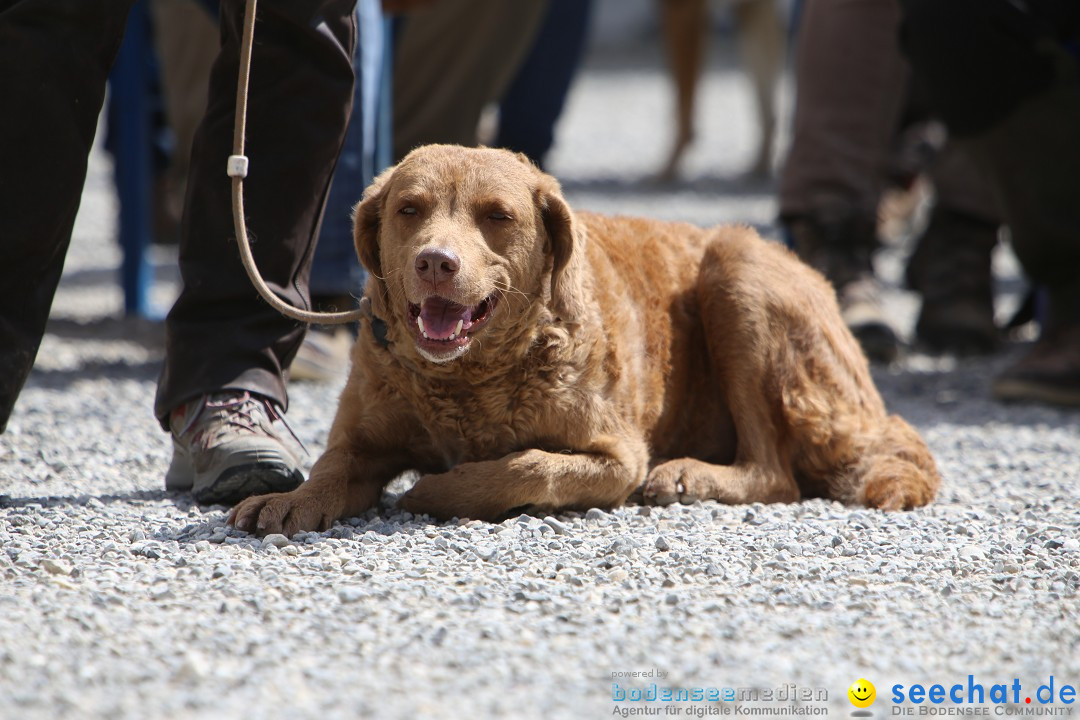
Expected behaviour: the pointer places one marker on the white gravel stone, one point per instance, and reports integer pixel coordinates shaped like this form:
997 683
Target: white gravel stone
971 553
275 540
55 567
559 527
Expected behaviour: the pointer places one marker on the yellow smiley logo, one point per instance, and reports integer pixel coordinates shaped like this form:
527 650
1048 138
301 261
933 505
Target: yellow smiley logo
862 693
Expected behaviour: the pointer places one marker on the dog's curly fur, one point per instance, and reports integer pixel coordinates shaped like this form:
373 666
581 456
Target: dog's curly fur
600 358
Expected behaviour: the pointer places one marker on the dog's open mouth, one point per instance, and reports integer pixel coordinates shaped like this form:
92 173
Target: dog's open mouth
444 328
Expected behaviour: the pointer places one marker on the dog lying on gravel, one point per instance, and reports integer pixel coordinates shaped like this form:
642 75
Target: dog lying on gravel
534 357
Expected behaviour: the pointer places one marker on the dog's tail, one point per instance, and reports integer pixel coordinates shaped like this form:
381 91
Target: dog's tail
896 471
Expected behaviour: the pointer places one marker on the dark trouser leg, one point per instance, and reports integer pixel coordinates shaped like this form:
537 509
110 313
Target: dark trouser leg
850 90
1014 104
951 267
851 81
55 56
1032 156
221 334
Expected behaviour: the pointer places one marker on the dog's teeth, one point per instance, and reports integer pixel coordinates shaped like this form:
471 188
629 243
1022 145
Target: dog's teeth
420 324
457 330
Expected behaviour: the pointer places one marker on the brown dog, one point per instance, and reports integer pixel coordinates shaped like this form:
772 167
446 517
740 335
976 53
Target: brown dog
541 358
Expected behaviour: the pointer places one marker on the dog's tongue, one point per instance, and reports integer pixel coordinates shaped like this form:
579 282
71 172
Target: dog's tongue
441 317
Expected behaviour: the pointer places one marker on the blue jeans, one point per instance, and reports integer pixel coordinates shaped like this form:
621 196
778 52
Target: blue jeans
335 269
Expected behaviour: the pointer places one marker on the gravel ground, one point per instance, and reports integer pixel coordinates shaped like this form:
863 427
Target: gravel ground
119 600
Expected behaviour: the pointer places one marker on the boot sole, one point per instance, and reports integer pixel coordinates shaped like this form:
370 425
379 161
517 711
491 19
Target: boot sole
244 481
254 471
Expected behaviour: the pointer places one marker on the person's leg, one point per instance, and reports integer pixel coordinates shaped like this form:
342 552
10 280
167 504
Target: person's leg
1033 155
451 60
165 203
337 278
1010 95
685 26
951 266
220 335
850 90
55 56
336 272
186 38
532 104
763 50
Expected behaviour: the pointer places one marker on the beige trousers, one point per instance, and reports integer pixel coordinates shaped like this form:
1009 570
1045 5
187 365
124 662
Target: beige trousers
452 59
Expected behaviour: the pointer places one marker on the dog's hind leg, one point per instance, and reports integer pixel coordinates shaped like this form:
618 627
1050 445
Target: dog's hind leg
807 416
762 470
741 341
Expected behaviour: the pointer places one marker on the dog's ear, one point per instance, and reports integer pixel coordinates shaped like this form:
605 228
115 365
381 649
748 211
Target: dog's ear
367 216
566 244
367 219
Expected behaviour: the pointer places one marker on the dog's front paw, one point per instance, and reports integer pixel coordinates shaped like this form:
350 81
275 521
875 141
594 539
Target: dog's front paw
667 484
449 495
284 513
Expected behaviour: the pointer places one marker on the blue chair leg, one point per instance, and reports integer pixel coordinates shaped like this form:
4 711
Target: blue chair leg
128 81
384 119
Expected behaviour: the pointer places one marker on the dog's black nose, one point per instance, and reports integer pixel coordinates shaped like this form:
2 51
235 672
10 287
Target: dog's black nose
437 265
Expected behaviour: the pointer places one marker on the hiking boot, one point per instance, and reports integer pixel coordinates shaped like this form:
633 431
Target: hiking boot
1048 373
951 268
842 251
226 448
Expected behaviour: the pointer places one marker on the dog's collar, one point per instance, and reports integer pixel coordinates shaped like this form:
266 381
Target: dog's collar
378 325
378 330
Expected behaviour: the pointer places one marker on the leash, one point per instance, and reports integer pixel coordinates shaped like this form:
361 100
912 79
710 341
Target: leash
237 169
